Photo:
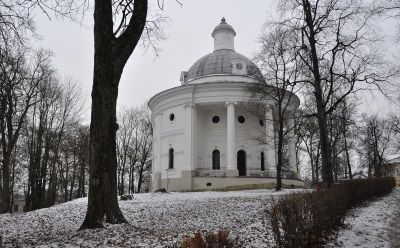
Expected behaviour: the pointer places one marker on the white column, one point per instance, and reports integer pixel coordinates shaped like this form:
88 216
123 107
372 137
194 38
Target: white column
190 131
292 145
270 140
231 169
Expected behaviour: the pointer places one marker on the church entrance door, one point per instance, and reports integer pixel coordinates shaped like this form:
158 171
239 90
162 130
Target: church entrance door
241 162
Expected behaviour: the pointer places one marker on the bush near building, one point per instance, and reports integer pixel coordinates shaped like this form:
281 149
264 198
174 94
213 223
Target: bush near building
221 239
307 219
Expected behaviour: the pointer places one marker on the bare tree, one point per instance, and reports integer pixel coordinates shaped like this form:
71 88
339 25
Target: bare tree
309 136
281 68
134 143
118 27
18 90
348 130
17 21
337 47
127 143
374 143
143 167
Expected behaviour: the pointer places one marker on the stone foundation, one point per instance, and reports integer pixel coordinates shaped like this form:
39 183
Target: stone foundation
224 183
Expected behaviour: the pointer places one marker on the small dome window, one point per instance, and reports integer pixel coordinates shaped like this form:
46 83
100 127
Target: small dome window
241 119
261 122
239 66
215 119
172 117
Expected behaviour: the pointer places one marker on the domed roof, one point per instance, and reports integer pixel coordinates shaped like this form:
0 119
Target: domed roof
223 61
223 26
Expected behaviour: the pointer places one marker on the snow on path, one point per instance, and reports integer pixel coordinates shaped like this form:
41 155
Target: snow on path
369 226
156 220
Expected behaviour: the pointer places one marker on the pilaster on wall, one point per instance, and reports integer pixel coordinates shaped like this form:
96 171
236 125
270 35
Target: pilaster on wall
156 152
270 140
292 145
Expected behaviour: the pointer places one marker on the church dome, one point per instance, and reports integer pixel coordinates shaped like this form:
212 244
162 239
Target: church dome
224 60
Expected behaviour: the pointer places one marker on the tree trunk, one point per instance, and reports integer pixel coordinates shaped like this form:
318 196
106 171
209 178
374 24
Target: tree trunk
280 155
326 160
5 193
111 55
103 199
346 149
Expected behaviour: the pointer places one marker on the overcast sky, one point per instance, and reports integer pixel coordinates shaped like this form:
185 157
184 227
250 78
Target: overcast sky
189 38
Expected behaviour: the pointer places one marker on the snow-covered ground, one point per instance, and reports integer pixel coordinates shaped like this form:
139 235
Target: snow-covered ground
156 220
159 220
371 225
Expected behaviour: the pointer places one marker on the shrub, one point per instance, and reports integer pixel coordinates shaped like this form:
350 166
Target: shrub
126 197
306 219
210 240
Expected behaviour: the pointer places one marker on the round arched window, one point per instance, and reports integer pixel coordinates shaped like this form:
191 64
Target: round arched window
215 119
241 119
261 122
172 117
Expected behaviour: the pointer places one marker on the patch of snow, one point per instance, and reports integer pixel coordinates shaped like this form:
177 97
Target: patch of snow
369 226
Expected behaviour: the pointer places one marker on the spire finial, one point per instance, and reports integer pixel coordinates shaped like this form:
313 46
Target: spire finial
223 20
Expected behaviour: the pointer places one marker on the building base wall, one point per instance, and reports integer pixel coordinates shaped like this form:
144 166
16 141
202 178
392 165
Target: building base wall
224 183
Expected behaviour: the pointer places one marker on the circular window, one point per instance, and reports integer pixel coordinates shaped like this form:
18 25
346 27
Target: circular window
261 122
239 66
241 119
215 119
172 117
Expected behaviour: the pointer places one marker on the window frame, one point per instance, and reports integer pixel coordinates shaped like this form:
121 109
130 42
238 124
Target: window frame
262 161
216 159
171 158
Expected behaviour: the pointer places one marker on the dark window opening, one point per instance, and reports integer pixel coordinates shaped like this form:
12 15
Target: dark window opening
241 162
261 122
241 119
215 160
208 184
172 117
262 162
171 159
215 119
15 208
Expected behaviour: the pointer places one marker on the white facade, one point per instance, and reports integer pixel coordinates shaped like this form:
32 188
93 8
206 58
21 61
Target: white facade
206 134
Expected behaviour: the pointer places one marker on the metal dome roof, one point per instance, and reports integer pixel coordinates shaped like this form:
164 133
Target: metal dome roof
223 61
223 26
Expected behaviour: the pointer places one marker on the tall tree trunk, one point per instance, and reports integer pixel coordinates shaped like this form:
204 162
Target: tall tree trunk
326 159
71 189
5 193
111 55
279 165
346 150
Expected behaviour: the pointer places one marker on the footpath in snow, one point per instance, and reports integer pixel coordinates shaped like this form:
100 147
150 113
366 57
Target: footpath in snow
372 225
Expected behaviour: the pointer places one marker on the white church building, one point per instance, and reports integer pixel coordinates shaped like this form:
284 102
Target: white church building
204 135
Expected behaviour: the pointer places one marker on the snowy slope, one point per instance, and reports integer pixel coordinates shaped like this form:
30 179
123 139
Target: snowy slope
159 220
155 219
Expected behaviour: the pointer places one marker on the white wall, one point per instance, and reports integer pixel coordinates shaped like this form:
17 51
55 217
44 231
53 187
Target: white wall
172 136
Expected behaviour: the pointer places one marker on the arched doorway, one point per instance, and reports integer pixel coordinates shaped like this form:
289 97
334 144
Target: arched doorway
241 162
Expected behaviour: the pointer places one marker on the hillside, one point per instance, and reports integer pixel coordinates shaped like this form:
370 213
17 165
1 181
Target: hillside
159 220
